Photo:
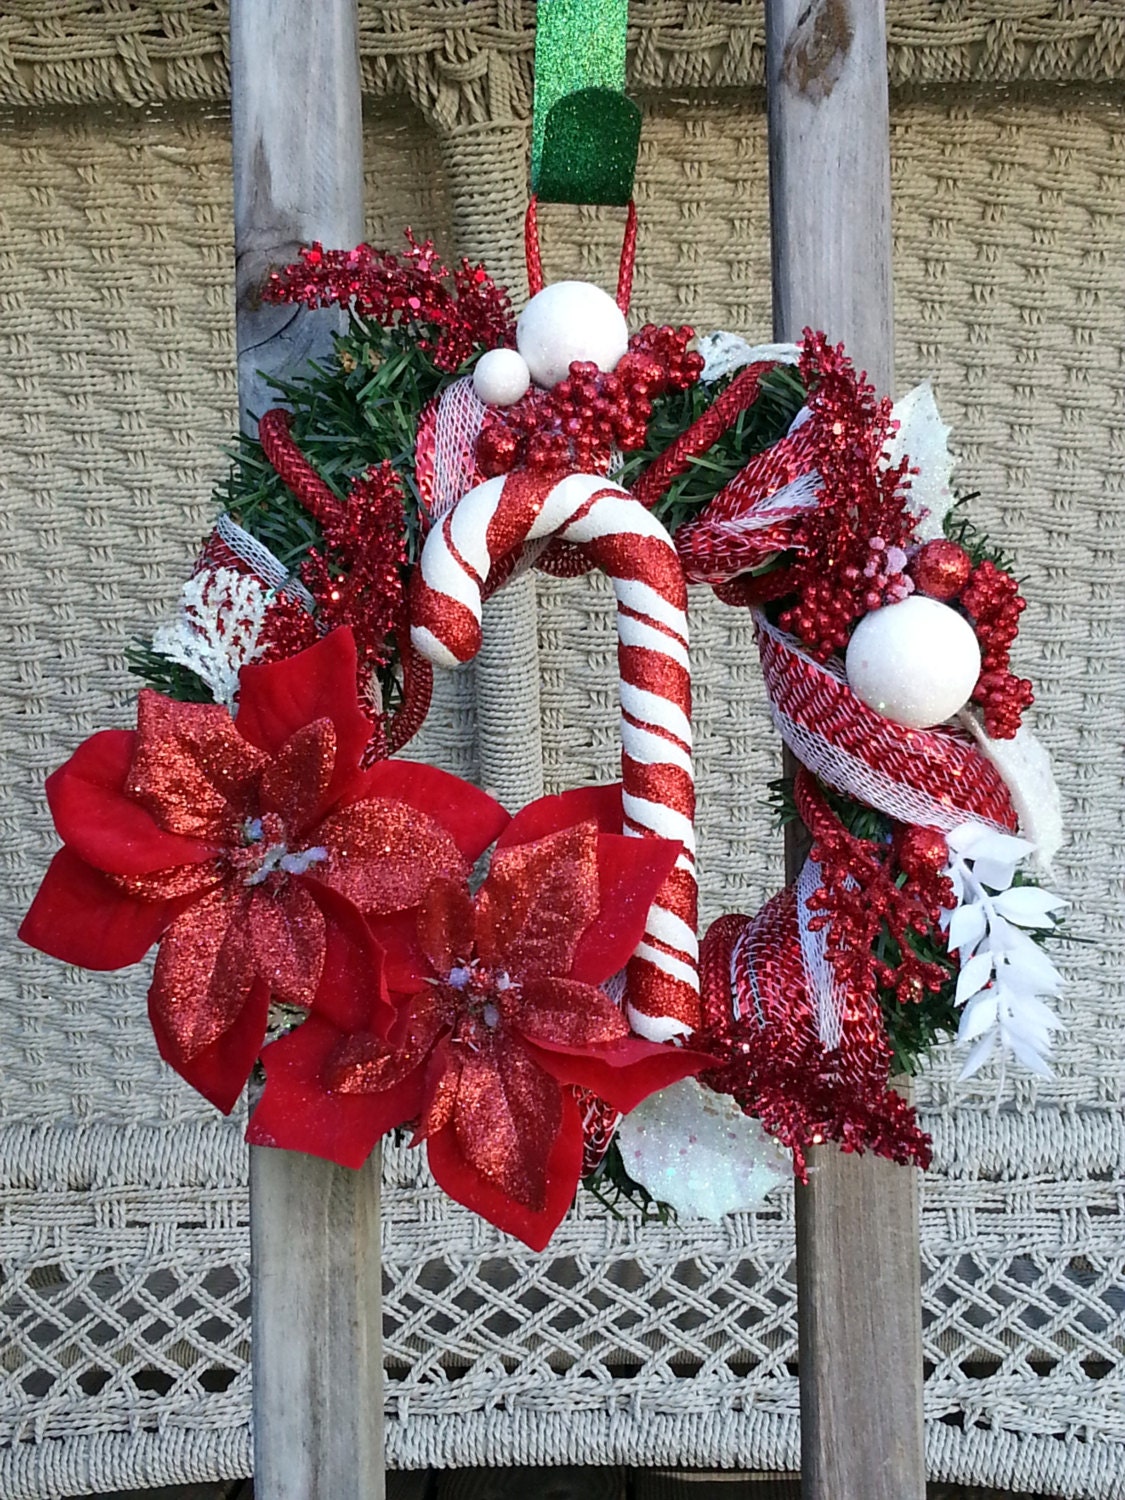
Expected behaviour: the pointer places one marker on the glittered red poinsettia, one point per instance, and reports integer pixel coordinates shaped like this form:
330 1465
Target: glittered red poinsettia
500 1016
240 846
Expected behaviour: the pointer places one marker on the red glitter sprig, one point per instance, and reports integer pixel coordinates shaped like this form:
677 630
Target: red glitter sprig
409 291
356 579
852 547
870 888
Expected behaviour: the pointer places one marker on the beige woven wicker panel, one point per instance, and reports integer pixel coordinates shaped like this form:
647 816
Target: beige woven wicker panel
442 54
128 1301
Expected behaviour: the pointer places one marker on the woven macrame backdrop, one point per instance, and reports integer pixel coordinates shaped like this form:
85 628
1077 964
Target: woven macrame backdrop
123 1240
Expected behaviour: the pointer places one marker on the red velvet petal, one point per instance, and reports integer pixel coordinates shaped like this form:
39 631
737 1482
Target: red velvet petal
277 699
446 927
472 818
405 966
80 916
192 769
630 872
204 972
366 1063
546 815
352 993
219 1071
467 1186
537 903
507 1117
286 929
296 782
622 1073
383 855
565 1012
439 1091
104 826
298 1113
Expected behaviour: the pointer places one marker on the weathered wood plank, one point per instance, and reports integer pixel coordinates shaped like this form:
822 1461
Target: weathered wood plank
531 1484
317 1338
317 1334
297 141
857 1221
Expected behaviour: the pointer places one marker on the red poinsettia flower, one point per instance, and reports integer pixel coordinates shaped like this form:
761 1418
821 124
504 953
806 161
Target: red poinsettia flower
501 1016
238 845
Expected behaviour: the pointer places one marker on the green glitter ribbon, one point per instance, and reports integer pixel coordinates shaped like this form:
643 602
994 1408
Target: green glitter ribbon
584 131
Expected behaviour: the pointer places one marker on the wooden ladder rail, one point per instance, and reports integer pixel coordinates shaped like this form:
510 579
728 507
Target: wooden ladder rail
316 1293
857 1220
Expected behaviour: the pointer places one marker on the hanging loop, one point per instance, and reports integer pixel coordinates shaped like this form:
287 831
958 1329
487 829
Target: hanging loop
625 266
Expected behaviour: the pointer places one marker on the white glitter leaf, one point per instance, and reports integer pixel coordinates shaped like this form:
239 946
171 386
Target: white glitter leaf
696 1150
923 438
1004 974
218 629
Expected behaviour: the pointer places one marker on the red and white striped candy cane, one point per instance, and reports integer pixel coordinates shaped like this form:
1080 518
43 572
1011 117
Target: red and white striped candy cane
633 549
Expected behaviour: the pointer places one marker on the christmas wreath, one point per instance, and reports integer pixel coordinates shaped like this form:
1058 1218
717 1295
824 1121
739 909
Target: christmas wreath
317 904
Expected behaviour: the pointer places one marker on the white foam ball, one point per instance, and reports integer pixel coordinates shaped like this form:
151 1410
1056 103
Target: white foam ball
566 321
916 662
501 377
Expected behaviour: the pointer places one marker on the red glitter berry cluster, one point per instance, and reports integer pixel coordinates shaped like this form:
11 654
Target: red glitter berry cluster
410 291
852 547
992 600
579 422
868 887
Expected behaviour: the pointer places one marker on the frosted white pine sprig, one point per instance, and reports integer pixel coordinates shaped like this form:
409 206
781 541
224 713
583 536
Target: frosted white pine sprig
218 629
1005 977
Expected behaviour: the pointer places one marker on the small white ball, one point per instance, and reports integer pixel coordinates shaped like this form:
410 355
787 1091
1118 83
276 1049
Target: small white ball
501 377
566 321
916 662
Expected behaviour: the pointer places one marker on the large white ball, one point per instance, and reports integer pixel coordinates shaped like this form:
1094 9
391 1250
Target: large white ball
916 662
501 377
566 321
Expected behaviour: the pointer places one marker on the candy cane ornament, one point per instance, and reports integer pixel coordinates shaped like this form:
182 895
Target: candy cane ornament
634 550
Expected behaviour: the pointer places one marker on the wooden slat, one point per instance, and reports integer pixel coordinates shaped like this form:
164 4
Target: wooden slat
223 1489
857 1221
684 1485
297 145
417 1484
531 1484
317 1334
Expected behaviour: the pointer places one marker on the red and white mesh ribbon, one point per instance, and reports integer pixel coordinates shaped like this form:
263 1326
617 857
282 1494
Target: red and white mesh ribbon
229 546
936 777
749 520
634 550
446 447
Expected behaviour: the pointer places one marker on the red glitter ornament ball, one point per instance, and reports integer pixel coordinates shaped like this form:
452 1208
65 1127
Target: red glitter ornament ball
921 850
940 569
497 449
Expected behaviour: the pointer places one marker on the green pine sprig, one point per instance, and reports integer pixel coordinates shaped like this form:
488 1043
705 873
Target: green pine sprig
615 1190
781 396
